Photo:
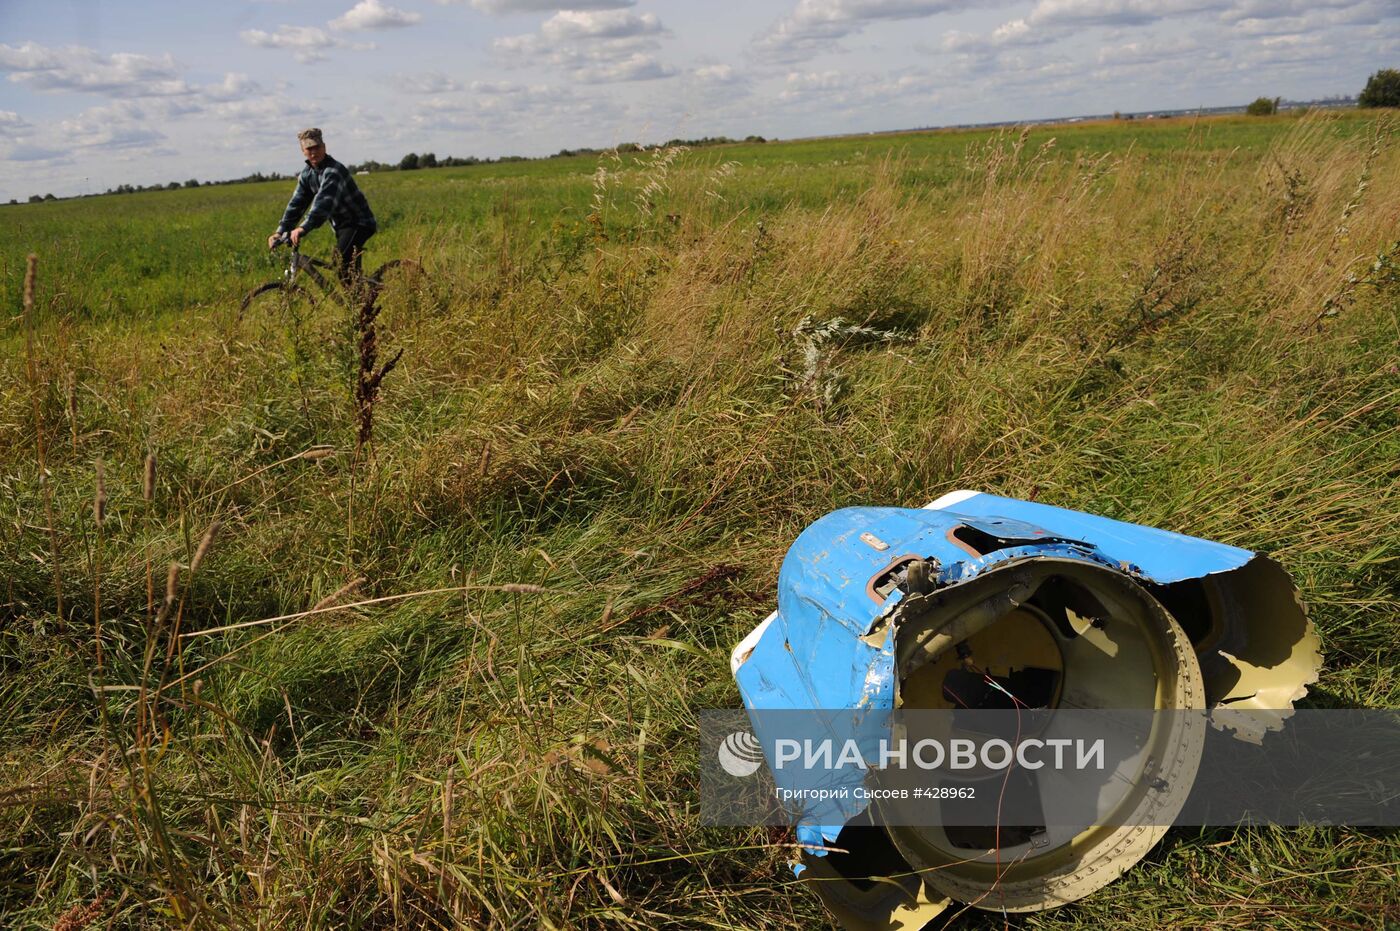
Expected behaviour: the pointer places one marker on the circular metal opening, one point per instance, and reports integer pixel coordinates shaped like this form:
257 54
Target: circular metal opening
1053 634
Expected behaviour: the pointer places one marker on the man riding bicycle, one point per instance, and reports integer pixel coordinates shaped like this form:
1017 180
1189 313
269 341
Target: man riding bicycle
326 186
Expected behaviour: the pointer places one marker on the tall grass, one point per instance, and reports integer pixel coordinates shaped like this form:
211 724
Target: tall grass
618 402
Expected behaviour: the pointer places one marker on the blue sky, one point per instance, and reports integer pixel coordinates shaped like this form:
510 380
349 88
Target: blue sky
94 93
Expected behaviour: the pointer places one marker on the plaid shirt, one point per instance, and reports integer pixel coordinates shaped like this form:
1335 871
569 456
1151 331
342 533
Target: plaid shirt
332 194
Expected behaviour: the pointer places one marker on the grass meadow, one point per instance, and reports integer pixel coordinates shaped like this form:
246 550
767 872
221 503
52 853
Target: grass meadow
626 385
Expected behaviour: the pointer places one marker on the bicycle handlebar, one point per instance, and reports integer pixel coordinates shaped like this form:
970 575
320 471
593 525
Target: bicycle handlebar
284 239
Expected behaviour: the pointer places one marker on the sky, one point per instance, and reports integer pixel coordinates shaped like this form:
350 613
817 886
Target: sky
95 93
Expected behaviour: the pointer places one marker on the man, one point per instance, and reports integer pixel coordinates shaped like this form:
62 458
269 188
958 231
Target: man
328 188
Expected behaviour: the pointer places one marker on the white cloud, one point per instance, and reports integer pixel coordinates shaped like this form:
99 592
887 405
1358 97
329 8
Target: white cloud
1052 20
456 122
504 109
529 44
816 25
543 6
1013 34
308 43
636 67
26 152
267 118
1260 19
133 126
806 84
1233 36
433 82
1152 51
366 125
593 47
855 92
75 68
372 14
304 40
124 124
1276 9
494 88
718 75
233 87
1115 12
123 76
141 134
575 25
1277 50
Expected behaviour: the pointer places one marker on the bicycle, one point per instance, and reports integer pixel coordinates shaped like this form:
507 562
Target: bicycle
320 273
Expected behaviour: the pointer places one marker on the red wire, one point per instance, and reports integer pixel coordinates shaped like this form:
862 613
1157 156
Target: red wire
1001 796
1006 921
955 697
1005 780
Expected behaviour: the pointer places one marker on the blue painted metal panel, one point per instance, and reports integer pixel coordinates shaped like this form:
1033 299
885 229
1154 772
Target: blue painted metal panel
1159 555
813 654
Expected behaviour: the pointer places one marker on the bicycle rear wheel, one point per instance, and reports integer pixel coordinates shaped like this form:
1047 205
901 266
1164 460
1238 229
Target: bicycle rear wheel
395 268
406 264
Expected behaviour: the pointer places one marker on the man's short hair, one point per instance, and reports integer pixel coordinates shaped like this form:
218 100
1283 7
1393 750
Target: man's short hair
312 136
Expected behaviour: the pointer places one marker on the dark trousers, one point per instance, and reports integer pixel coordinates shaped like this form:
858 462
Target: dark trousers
349 245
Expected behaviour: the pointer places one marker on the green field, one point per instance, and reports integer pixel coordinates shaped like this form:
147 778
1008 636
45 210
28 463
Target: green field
614 411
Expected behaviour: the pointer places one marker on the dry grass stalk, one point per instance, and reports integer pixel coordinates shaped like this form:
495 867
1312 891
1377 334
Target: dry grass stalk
148 478
338 594
172 591
99 517
29 273
170 605
446 812
148 494
70 387
508 588
173 651
204 543
32 375
520 588
99 498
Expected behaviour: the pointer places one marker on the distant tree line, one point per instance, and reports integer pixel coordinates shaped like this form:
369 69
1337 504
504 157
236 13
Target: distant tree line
172 186
668 144
193 182
414 161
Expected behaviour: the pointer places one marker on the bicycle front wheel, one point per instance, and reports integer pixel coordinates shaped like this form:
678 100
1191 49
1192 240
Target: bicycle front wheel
273 297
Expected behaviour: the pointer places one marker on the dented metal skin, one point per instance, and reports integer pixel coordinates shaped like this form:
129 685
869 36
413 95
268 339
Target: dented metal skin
834 641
